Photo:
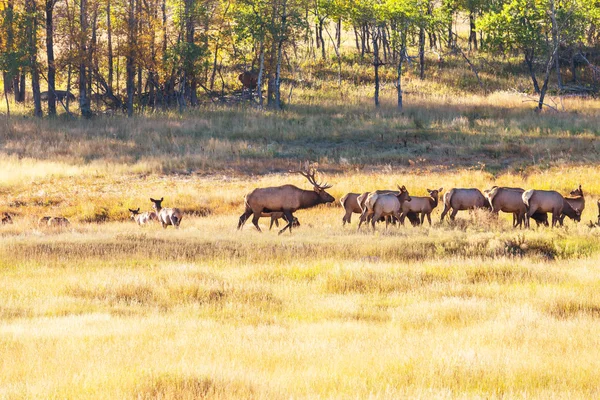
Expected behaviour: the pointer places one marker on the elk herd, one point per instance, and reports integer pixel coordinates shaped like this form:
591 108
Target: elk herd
281 202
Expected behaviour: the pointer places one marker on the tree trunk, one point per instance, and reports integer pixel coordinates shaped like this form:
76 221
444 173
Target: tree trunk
130 62
472 32
109 45
399 77
31 32
556 44
50 57
421 53
261 71
376 63
84 101
338 32
529 56
9 79
322 39
282 34
356 38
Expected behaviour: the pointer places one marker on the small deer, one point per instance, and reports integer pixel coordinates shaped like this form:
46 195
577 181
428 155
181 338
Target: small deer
167 216
6 219
142 218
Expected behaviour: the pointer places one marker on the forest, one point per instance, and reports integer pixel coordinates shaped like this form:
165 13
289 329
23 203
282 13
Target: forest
136 55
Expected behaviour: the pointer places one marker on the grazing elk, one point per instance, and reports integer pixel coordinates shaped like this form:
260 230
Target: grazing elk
508 200
463 199
6 219
275 217
43 221
58 222
286 199
60 95
548 201
142 218
384 205
577 202
167 216
351 205
422 205
249 80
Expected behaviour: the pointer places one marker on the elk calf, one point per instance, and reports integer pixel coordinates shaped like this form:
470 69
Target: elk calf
167 216
6 219
422 205
142 218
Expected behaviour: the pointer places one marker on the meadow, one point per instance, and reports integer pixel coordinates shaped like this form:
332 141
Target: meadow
470 309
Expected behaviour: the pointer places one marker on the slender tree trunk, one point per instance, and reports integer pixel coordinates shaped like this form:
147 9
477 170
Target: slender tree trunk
84 101
30 6
130 56
552 56
472 32
529 56
261 71
9 79
338 32
376 63
322 39
421 53
109 45
50 57
356 38
281 39
92 51
399 72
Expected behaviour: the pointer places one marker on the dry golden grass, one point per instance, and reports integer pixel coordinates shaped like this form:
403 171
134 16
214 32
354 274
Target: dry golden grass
473 309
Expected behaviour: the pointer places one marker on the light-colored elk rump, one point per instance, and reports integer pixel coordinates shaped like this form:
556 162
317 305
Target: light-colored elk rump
547 201
6 219
459 199
167 216
385 205
421 205
58 222
366 201
351 206
286 199
508 200
143 218
275 217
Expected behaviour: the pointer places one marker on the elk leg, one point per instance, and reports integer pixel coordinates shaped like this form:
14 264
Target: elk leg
453 214
423 218
428 219
255 219
363 218
290 218
244 218
375 218
446 209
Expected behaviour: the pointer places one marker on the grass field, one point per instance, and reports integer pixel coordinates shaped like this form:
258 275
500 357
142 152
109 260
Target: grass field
471 309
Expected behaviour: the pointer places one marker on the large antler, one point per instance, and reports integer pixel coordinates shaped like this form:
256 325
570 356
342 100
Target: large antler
309 173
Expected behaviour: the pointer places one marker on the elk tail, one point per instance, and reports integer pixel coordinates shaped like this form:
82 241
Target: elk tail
448 198
343 200
526 196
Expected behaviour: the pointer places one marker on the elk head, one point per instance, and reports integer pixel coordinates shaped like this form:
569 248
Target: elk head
319 188
577 192
403 195
157 203
133 213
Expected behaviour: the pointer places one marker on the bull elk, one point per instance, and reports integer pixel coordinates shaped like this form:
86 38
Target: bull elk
167 216
422 205
6 219
142 218
286 199
463 199
249 79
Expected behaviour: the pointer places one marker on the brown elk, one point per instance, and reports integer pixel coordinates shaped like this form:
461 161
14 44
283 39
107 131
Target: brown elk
351 205
548 201
249 79
167 216
43 221
286 199
59 95
384 205
6 219
577 202
463 199
142 218
58 222
422 205
275 217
